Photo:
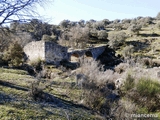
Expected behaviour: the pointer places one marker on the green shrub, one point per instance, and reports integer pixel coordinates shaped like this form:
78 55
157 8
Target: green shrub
148 87
128 51
49 38
134 29
129 83
158 25
116 39
102 34
14 55
122 67
35 62
147 62
1 59
142 110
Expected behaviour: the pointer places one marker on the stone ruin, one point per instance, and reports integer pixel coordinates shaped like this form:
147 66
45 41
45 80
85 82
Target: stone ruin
50 52
54 53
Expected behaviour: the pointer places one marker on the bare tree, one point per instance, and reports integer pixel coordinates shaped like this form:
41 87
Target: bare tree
20 10
15 12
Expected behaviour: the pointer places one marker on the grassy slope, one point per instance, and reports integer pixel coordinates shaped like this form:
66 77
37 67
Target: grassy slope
15 102
151 50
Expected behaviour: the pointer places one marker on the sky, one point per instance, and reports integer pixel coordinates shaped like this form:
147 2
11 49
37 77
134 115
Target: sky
75 10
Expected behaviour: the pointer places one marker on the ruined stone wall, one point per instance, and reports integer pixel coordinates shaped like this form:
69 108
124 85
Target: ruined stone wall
97 51
49 51
92 52
35 50
54 53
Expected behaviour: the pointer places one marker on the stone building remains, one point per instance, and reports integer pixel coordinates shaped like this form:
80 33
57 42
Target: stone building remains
53 53
50 52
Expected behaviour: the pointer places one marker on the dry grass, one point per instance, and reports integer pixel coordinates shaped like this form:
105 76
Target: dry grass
95 73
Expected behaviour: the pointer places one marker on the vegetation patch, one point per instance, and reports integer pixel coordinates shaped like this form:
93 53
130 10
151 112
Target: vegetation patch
148 87
129 83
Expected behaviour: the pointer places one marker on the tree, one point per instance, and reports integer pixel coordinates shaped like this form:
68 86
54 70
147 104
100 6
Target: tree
22 38
79 36
117 26
135 29
106 22
116 39
145 21
21 10
124 21
102 35
39 28
127 51
158 25
116 21
99 25
64 24
16 12
4 38
14 55
49 38
81 23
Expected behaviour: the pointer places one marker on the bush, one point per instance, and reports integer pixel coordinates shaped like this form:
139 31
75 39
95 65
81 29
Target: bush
147 62
98 86
102 35
127 51
96 74
158 25
148 87
116 39
117 26
49 38
96 100
38 95
37 64
1 59
129 83
14 55
135 28
122 67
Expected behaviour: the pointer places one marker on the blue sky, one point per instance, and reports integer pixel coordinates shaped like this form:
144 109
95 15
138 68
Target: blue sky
75 10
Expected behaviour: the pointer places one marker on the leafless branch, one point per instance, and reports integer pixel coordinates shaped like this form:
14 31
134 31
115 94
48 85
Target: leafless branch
19 10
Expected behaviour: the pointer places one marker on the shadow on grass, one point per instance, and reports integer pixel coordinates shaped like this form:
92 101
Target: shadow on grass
138 45
11 85
42 96
4 98
149 35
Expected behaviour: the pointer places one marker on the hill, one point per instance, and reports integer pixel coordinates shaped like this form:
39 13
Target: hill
88 89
